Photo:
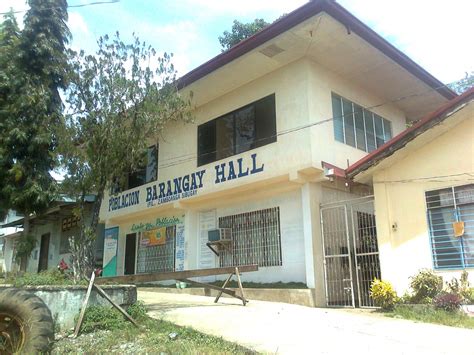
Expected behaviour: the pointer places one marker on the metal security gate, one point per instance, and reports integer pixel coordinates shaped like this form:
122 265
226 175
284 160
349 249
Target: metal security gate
351 256
158 258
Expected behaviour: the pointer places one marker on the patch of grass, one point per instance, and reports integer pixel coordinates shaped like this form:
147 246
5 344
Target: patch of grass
137 310
101 318
152 337
429 314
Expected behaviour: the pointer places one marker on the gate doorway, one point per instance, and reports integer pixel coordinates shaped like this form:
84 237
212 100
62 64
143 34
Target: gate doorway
351 254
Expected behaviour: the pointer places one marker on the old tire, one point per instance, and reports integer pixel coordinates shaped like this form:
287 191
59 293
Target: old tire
26 325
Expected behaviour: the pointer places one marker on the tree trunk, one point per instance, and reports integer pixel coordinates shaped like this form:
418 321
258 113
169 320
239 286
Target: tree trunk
83 246
26 231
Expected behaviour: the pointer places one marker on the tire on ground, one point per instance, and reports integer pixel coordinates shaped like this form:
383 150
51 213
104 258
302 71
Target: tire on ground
35 316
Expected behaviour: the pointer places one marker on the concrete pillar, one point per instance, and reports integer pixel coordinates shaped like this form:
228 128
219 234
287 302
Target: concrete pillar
311 197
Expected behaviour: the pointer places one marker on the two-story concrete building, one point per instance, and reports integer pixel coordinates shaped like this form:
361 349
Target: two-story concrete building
274 116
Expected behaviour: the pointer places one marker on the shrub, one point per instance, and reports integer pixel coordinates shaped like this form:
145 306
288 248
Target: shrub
461 287
470 296
383 294
137 310
44 278
101 317
448 301
426 285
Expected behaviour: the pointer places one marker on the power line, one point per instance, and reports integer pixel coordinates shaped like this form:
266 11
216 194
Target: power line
191 156
435 178
69 6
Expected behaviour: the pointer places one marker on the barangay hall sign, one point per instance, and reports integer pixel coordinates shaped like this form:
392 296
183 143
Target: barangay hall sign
186 185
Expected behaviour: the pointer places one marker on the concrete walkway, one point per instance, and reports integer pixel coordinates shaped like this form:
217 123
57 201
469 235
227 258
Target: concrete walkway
281 328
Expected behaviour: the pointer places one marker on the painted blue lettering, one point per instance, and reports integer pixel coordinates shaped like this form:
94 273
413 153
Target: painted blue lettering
231 175
149 196
162 189
220 173
193 182
186 183
200 175
254 165
169 190
241 172
177 185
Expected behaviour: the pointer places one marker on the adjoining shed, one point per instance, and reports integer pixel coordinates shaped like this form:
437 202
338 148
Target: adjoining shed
51 232
423 181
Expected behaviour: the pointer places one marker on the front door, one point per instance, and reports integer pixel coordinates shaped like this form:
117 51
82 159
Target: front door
44 253
130 253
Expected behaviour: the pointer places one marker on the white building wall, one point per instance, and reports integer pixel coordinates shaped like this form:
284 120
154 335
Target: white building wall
292 237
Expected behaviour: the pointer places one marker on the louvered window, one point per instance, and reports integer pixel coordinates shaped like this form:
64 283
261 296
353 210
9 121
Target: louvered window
451 222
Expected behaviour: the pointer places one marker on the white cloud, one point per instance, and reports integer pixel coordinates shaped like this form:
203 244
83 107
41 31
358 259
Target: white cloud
77 24
181 39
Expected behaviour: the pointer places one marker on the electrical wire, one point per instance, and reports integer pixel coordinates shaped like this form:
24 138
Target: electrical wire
69 6
176 160
439 178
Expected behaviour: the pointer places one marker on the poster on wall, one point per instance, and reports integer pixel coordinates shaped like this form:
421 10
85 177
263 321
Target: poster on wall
180 246
154 237
110 251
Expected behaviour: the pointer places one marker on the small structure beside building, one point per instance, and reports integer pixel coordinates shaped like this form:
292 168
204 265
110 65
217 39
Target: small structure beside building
51 231
423 181
7 237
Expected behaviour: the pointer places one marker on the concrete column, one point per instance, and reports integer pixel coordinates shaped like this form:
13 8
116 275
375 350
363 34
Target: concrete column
311 197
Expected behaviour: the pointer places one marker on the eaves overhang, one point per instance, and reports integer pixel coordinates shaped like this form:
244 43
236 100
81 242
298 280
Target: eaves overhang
313 8
401 140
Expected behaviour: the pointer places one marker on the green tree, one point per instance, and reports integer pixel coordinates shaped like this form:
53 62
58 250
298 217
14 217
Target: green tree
33 72
240 31
118 106
464 84
9 38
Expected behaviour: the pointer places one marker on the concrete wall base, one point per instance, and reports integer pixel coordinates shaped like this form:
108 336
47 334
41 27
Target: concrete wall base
303 297
65 302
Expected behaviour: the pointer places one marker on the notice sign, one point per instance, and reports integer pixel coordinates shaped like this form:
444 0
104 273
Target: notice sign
180 247
154 237
110 251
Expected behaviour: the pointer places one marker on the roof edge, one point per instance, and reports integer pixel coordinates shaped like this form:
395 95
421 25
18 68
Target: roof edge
310 9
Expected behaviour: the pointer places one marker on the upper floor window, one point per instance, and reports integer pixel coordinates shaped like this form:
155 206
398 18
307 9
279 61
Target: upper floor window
358 127
148 172
451 222
236 132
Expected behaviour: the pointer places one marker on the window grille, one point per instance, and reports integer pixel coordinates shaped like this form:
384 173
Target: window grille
445 207
256 238
358 127
158 258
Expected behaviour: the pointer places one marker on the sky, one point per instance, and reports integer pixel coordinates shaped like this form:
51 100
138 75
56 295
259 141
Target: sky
436 34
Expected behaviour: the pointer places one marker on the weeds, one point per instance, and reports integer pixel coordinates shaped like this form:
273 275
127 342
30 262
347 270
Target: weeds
429 314
118 335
